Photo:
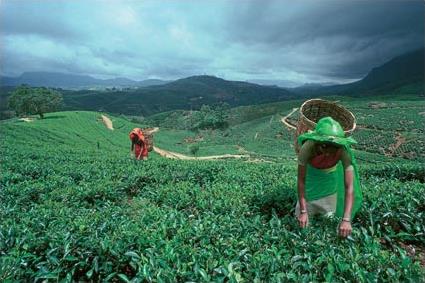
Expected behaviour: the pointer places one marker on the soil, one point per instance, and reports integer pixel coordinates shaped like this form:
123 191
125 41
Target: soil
285 120
107 122
175 155
27 119
399 140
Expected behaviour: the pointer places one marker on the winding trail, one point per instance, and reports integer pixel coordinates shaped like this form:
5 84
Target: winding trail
107 122
153 130
26 119
285 121
175 155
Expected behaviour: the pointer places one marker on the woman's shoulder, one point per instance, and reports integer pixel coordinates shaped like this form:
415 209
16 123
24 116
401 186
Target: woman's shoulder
306 152
308 144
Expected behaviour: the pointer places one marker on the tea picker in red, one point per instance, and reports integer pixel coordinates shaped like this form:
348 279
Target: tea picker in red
138 144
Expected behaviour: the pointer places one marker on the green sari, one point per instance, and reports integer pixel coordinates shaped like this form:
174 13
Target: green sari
321 183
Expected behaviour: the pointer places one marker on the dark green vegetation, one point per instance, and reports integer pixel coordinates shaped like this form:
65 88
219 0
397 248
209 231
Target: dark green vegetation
72 210
188 93
34 101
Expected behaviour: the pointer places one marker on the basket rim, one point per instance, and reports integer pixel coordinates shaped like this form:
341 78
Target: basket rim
332 103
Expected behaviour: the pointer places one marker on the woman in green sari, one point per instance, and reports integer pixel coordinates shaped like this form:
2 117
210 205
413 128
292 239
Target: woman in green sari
328 179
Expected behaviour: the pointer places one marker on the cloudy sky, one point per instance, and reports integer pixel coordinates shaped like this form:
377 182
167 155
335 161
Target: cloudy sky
297 41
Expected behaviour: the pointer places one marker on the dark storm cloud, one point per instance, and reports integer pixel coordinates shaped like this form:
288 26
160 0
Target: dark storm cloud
342 38
298 41
19 18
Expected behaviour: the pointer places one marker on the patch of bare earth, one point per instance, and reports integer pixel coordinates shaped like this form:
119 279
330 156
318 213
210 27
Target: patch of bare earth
285 120
193 139
107 122
399 140
415 252
26 119
151 130
175 155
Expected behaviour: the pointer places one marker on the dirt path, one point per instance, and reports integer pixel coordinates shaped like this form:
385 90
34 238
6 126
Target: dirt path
287 123
27 119
153 130
107 122
175 155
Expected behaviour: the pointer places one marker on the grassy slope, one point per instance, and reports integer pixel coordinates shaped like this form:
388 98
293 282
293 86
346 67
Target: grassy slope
73 130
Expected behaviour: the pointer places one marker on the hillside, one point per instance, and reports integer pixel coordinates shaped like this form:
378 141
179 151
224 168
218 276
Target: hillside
188 93
258 129
404 72
71 132
192 92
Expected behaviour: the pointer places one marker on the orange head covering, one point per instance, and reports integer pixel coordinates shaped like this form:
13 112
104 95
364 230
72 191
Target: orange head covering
137 132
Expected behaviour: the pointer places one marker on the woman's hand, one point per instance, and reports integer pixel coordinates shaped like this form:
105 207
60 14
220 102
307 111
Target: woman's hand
303 220
345 229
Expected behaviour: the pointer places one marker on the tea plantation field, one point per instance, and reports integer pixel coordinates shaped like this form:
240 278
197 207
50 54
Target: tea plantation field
387 130
75 207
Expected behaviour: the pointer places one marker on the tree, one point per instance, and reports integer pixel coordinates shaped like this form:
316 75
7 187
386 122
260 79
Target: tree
211 117
35 101
193 149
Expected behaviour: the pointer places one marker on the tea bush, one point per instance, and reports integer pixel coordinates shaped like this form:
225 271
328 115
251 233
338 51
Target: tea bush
70 212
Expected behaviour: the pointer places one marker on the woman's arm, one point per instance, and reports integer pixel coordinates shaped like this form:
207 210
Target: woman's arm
348 193
303 217
345 226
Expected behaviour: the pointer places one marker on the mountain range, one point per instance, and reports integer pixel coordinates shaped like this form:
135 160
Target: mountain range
402 74
71 81
187 93
403 70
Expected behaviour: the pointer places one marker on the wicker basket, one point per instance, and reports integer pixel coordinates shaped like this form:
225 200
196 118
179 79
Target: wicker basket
313 110
148 138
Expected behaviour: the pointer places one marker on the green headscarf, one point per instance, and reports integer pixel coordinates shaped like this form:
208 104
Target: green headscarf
327 130
320 183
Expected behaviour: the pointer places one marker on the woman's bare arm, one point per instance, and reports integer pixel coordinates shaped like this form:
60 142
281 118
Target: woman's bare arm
348 181
301 187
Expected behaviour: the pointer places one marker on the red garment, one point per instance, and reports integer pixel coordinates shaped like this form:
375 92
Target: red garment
140 146
140 151
323 161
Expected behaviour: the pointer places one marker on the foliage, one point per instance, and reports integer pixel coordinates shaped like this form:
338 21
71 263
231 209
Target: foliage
35 101
193 149
74 213
211 117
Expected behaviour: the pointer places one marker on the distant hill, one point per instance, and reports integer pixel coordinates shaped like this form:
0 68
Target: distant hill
402 75
402 72
405 69
71 81
275 83
187 93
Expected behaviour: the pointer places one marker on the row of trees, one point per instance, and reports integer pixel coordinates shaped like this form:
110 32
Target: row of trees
211 117
26 100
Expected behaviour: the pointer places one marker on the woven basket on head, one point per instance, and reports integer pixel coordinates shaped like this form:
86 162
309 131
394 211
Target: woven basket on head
313 110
